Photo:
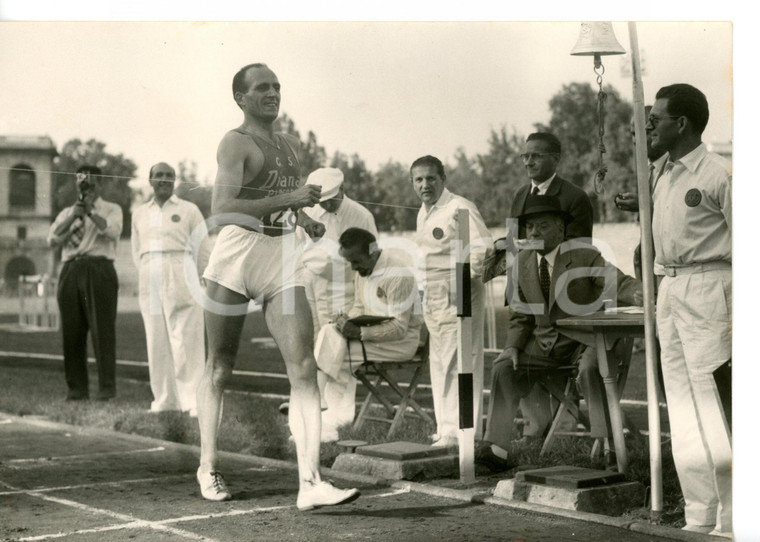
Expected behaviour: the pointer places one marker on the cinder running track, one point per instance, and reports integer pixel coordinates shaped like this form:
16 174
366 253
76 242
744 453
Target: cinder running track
60 482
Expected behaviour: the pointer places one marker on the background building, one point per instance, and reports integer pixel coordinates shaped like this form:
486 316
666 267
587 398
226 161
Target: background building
26 191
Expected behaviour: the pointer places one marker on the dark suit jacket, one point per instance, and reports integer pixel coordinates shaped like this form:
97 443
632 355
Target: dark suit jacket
572 200
581 276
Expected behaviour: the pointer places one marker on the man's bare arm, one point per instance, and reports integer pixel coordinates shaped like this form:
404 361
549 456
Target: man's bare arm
231 158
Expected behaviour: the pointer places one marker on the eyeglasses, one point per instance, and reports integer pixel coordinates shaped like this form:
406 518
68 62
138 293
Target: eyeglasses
528 156
654 121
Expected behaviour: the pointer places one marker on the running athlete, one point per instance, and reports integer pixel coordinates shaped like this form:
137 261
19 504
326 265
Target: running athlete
258 193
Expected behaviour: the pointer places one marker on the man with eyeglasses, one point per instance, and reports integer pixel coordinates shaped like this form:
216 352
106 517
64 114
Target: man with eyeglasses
541 157
691 226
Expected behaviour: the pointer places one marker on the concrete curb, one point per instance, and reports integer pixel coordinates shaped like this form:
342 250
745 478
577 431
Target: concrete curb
481 497
478 496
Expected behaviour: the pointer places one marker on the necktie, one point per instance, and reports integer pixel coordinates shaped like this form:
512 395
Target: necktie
77 233
544 278
535 192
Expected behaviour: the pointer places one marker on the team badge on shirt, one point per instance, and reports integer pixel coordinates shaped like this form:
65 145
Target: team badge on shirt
176 218
438 233
693 197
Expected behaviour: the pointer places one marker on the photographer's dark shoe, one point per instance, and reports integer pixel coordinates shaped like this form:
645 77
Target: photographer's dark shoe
485 456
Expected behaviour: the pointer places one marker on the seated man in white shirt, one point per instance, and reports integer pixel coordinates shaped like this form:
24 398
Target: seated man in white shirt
384 285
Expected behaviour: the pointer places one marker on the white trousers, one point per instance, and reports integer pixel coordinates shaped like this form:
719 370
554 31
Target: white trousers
694 325
174 332
441 321
337 384
326 298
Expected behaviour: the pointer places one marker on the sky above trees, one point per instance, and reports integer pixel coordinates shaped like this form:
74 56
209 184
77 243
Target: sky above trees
385 91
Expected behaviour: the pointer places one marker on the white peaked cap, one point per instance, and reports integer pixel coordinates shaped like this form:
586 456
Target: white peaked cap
329 178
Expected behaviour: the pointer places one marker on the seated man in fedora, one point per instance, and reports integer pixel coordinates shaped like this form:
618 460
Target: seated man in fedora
554 279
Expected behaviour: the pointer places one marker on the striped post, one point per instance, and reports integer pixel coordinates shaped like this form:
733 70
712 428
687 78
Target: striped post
464 350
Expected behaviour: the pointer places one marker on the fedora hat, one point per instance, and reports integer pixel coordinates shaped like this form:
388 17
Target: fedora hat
536 205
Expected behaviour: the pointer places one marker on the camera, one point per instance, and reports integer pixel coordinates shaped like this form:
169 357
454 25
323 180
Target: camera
84 185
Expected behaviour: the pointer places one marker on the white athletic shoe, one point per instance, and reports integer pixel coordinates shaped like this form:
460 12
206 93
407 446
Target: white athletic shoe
324 493
329 433
446 441
212 485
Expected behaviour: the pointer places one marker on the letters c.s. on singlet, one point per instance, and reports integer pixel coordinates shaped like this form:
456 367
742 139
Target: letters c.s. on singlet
280 174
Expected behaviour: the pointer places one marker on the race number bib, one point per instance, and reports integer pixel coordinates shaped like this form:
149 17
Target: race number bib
284 220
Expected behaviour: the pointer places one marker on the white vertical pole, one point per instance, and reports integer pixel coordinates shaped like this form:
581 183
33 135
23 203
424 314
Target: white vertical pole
22 319
647 274
464 351
490 317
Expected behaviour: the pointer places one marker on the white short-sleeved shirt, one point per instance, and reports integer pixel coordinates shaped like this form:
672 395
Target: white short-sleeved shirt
437 235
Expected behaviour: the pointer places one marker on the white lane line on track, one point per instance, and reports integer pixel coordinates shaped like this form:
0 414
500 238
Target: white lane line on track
279 376
163 525
96 484
82 456
130 522
248 511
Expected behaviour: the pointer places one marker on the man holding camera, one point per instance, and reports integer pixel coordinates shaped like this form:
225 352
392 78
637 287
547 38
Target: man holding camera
87 233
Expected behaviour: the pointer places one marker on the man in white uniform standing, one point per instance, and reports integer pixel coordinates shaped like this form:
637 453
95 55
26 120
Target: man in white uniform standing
691 227
329 285
436 238
161 228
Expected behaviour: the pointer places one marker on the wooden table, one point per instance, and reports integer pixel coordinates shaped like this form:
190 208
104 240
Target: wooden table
602 330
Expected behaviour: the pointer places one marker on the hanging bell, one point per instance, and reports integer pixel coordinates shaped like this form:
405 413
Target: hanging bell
597 38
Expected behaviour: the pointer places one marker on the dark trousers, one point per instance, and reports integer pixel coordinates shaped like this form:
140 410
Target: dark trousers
508 386
87 296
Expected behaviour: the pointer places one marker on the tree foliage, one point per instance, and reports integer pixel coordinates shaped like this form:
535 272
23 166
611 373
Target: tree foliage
489 180
117 170
502 173
574 120
188 187
311 155
402 205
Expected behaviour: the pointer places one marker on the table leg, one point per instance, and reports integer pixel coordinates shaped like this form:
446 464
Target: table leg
609 377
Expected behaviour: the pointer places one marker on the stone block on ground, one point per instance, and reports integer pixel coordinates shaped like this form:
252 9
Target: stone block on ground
572 488
400 461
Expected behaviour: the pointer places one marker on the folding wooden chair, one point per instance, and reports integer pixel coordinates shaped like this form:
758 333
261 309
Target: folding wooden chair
568 402
373 374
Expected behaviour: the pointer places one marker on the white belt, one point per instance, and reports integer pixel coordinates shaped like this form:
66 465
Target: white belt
676 270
